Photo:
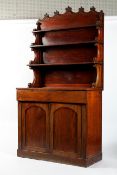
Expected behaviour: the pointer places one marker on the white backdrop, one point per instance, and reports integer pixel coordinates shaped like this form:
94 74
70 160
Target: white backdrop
15 39
15 53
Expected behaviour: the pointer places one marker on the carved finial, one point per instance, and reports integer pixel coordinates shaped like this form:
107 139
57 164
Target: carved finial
46 16
38 23
29 85
34 30
92 8
56 12
81 9
68 9
101 11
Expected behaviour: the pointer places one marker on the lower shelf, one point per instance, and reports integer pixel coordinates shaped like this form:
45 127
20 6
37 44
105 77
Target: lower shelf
55 158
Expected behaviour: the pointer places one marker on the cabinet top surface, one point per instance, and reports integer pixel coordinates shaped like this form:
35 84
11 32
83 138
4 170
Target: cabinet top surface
59 89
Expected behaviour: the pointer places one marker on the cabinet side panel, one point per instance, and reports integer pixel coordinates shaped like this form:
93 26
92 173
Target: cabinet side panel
19 125
94 123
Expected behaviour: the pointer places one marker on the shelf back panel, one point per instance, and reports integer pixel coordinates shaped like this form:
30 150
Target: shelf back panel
70 76
73 54
70 36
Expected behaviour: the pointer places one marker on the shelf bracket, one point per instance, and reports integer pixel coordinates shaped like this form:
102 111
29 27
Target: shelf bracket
37 81
99 78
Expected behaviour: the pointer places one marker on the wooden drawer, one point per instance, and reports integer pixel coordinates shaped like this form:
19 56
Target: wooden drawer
37 95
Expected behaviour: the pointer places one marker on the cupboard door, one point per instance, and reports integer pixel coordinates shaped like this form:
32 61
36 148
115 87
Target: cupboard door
35 126
65 129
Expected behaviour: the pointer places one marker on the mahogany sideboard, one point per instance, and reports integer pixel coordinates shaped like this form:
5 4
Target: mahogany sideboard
60 113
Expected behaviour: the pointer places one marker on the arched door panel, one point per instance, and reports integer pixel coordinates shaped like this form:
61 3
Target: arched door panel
65 124
35 126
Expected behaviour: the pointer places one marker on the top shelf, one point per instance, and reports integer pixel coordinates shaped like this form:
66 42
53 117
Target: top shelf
64 29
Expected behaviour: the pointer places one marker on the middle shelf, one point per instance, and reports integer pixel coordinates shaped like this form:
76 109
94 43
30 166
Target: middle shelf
63 64
33 45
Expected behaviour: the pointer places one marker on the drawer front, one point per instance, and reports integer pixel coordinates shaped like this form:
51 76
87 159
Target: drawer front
51 96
